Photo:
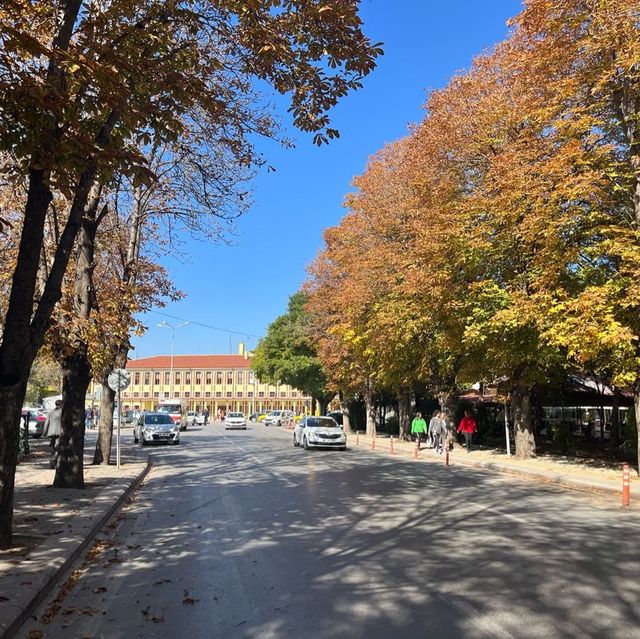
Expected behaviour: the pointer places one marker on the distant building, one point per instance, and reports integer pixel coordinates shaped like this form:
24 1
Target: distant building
214 382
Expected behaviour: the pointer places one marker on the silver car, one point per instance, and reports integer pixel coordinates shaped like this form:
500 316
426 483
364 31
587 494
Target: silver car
156 428
235 420
319 432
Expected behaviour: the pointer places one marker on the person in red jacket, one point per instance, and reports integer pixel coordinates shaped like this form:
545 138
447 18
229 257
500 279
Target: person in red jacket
467 427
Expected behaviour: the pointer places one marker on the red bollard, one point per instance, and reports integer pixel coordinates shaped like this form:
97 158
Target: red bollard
626 495
373 442
416 448
391 445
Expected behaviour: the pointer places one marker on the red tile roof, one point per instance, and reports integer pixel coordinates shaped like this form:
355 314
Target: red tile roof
191 361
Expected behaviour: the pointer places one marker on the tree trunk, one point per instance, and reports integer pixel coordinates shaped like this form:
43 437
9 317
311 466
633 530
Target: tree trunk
525 442
102 453
313 405
614 441
370 408
323 402
11 400
76 377
76 373
346 418
404 414
636 405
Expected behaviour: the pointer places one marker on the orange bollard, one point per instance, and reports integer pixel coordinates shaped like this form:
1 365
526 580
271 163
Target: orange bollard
391 445
626 494
373 442
416 448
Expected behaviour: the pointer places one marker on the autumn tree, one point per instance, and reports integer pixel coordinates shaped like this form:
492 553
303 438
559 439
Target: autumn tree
81 84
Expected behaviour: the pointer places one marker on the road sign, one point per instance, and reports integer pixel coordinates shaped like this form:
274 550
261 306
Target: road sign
119 379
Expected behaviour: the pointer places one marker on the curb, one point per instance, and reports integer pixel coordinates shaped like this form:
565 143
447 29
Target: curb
55 572
584 485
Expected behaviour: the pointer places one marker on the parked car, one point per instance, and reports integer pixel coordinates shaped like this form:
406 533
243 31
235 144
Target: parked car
37 418
235 420
156 428
319 432
254 417
262 415
193 417
278 417
131 416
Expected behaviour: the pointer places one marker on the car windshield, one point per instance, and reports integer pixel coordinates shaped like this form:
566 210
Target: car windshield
236 415
157 419
169 408
321 422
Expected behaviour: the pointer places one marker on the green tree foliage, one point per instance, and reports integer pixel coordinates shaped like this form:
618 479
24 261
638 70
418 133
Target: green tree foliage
288 355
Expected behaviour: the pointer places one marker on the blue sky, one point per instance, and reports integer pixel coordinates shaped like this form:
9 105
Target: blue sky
244 286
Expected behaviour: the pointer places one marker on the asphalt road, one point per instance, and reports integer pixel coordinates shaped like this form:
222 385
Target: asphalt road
238 534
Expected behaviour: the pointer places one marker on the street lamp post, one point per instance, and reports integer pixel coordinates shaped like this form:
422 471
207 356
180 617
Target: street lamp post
173 338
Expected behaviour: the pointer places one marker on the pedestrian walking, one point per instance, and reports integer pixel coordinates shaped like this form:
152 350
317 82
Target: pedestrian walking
419 428
88 417
206 416
467 427
437 431
53 430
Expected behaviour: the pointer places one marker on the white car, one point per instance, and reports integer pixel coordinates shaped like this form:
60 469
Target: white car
156 428
319 432
235 420
278 417
195 418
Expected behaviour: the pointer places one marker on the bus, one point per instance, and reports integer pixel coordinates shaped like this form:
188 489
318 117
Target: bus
176 409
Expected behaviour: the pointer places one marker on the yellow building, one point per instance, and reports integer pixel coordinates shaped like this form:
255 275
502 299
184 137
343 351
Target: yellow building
214 382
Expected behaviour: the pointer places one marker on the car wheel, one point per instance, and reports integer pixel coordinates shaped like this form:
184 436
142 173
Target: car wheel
305 444
295 441
343 448
144 443
176 443
279 424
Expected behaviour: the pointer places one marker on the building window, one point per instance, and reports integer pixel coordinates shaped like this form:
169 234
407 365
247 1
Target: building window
177 382
156 379
240 377
145 394
218 394
147 378
272 393
156 395
294 394
187 393
208 377
239 393
250 394
198 378
166 395
167 379
197 393
229 394
218 377
207 394
136 379
252 377
187 378
229 378
261 394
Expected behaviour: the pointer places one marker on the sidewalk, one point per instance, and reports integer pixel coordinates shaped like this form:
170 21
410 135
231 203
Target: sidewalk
54 526
567 471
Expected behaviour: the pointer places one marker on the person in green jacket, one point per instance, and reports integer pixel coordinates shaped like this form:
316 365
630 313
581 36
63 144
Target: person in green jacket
419 428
